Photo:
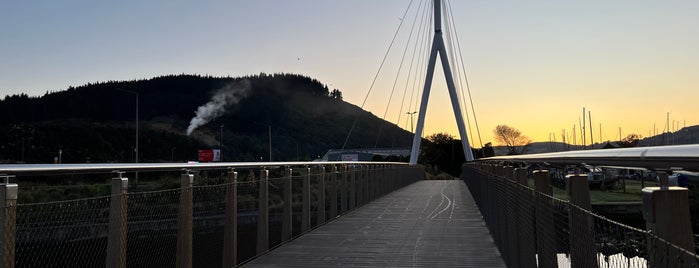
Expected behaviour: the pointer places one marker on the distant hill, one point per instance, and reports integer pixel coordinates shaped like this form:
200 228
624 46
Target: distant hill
96 122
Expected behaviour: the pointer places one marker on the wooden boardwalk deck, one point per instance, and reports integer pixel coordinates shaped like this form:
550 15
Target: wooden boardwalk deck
426 224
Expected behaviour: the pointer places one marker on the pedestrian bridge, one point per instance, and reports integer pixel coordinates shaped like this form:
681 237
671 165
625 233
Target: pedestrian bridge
318 214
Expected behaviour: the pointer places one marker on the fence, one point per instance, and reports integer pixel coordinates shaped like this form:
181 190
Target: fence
218 215
532 228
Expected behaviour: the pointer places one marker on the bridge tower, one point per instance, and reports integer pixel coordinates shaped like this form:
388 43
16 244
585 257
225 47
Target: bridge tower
439 48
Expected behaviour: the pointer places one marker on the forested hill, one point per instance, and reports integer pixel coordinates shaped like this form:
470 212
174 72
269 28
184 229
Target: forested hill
96 122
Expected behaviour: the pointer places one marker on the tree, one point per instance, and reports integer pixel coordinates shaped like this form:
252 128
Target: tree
336 94
442 153
630 141
512 138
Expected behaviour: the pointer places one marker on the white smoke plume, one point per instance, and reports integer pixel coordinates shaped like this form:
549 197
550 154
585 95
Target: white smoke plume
223 98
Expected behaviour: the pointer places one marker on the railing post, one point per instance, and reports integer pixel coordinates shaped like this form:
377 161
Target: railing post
321 195
116 237
525 229
382 178
8 222
361 173
306 200
666 211
184 222
582 237
367 183
230 231
288 217
511 208
263 213
353 186
344 188
374 182
545 234
333 192
497 190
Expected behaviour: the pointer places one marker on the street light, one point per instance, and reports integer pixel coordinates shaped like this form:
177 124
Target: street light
411 120
220 146
136 149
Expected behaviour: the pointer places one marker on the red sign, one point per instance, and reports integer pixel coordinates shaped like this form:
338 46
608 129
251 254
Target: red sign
209 155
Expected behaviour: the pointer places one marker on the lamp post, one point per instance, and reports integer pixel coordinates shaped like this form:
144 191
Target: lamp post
411 120
136 148
220 146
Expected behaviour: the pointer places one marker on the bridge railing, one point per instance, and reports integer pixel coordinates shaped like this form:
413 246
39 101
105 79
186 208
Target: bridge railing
213 214
533 228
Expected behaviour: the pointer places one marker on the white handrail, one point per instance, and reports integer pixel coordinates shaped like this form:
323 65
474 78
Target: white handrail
675 157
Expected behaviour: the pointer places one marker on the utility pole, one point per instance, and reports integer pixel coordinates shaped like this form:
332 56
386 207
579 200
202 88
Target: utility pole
270 142
438 48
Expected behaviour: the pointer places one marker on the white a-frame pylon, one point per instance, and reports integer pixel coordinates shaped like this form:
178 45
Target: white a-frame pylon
439 48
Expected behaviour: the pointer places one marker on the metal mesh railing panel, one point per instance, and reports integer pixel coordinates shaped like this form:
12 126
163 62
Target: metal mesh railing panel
146 230
535 229
208 224
152 228
276 210
296 203
62 234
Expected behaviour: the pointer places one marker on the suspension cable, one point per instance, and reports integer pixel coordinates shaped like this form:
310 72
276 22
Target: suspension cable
412 59
354 124
416 54
395 81
468 88
452 52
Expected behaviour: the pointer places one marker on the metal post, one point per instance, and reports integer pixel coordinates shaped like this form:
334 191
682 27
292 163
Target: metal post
288 219
525 217
306 199
184 222
582 237
344 188
263 213
353 186
360 184
321 195
116 235
511 210
501 205
666 212
8 222
230 232
545 235
378 169
371 185
333 192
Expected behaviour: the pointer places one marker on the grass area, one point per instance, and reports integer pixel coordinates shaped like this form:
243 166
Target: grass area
632 193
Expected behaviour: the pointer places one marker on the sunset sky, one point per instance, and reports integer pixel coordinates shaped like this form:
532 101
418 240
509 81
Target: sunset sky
532 65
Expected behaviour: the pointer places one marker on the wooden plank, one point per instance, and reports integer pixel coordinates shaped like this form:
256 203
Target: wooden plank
426 224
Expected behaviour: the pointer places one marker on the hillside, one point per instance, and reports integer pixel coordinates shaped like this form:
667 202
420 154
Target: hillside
96 122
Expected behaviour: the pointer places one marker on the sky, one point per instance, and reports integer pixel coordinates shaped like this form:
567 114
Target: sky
532 65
